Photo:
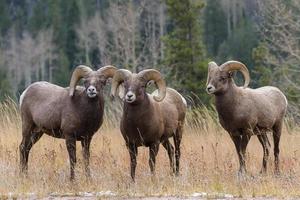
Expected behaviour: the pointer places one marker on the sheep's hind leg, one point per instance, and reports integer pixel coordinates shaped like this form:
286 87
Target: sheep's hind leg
153 150
71 147
276 137
85 143
263 139
29 139
133 151
177 140
170 149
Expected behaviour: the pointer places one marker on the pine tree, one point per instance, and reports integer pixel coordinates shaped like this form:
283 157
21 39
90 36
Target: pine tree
215 29
65 16
185 55
5 87
4 19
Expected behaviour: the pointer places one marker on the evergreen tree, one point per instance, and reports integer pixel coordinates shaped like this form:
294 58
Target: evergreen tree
240 44
5 88
4 19
185 53
65 16
71 16
215 28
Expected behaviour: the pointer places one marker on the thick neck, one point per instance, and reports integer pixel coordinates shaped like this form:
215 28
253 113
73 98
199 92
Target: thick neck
226 99
138 109
96 102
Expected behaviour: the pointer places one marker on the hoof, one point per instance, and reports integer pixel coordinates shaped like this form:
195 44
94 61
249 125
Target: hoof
263 172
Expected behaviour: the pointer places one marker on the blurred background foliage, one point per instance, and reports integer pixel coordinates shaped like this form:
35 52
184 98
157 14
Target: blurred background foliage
46 39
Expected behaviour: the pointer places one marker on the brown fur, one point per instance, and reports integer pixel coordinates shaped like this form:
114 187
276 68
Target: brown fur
244 112
48 108
147 122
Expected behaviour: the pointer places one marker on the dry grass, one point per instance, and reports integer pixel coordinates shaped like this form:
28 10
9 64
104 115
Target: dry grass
208 164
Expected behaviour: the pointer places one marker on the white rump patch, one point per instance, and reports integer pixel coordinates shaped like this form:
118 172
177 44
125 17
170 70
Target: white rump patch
184 101
24 92
155 93
23 95
287 103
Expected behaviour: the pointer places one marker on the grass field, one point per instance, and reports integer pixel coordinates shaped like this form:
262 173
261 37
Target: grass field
209 163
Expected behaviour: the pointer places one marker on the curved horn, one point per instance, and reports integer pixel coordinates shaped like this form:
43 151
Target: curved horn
235 65
119 77
107 71
152 74
211 65
79 72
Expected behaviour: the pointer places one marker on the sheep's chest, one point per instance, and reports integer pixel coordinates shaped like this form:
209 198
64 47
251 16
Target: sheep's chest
83 121
232 121
139 132
91 121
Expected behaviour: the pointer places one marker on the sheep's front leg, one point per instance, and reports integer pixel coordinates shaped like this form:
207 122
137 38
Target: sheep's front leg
240 143
71 147
153 150
85 143
133 151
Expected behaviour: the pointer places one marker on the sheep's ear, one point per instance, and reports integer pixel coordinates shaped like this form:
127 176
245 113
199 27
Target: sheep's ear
212 65
107 81
121 91
231 74
149 83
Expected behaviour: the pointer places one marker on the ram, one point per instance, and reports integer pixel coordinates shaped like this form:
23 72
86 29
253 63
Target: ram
244 112
73 113
149 120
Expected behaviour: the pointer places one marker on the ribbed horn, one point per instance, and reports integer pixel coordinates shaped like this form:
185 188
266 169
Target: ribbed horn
152 74
80 71
237 66
211 65
120 76
107 71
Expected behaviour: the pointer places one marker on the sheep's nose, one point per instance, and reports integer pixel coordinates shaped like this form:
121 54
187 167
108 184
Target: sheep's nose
130 97
209 87
91 89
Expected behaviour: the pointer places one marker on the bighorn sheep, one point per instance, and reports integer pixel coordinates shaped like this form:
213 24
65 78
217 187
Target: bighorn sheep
149 120
244 112
74 113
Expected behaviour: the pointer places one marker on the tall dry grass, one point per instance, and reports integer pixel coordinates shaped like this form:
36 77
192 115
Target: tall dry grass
208 164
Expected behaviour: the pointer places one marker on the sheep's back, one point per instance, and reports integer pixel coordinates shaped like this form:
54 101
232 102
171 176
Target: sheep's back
269 105
173 109
42 103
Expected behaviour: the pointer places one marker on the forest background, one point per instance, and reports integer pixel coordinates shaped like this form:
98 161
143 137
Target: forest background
46 39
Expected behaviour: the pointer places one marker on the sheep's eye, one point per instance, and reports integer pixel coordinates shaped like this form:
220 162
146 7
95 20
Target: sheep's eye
222 79
141 90
102 82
